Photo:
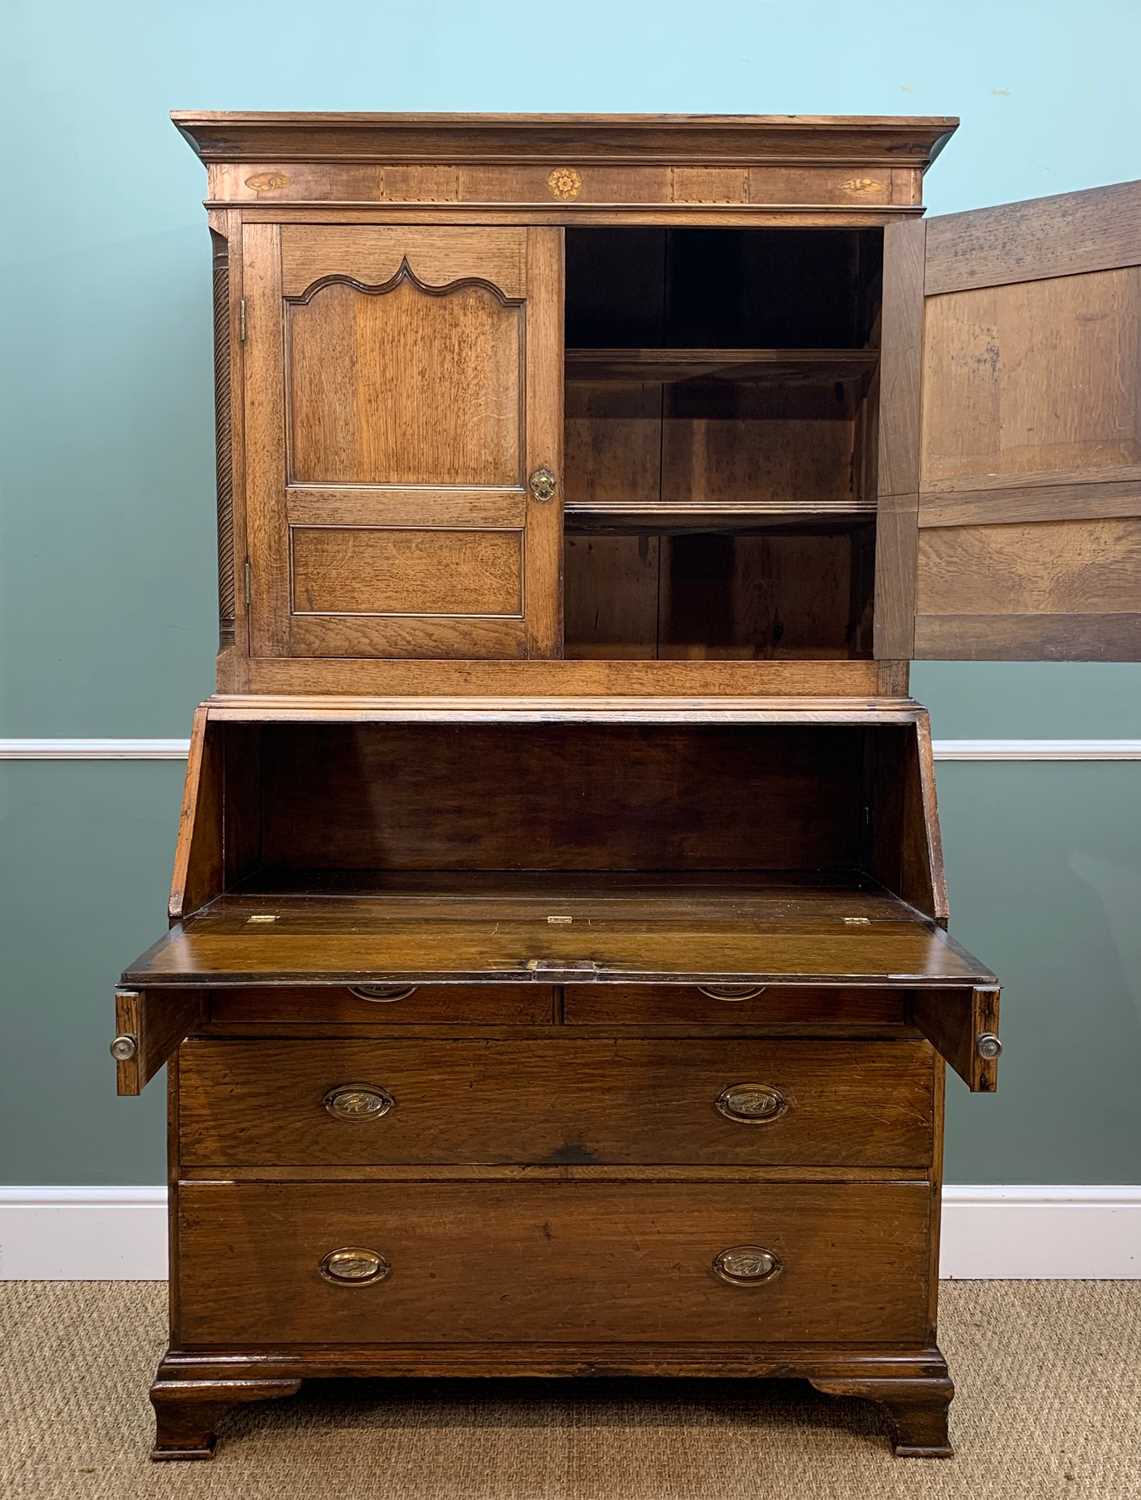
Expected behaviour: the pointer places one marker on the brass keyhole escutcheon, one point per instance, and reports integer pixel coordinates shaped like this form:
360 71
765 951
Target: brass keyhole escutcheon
542 483
353 1266
746 1265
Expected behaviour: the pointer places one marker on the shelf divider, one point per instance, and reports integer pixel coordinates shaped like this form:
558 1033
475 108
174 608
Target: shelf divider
666 516
766 365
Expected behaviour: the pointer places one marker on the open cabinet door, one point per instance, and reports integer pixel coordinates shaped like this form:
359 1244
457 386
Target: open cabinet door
1029 504
403 435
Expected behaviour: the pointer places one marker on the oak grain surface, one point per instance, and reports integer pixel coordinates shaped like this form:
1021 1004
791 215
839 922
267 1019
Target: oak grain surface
614 1261
547 1102
1030 472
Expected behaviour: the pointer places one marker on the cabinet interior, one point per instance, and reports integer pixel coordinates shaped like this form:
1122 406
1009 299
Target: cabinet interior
721 407
648 820
792 853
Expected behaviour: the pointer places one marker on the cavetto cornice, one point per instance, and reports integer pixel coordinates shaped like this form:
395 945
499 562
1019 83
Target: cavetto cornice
707 140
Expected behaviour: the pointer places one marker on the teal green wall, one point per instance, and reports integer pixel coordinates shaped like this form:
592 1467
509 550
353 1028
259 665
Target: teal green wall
106 530
1044 862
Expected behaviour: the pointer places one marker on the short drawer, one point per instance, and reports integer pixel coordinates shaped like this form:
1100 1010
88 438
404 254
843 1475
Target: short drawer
563 1100
551 1262
396 1004
731 1005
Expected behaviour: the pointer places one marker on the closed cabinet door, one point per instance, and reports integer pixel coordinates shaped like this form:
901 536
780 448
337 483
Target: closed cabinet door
1028 543
403 405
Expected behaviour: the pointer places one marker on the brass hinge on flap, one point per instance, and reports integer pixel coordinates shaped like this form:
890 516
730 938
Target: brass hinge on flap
247 576
241 320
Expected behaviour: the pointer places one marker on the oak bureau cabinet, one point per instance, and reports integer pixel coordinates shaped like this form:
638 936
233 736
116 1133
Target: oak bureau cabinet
558 977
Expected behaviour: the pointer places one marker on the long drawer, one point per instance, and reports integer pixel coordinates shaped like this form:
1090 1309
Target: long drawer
562 1100
432 1263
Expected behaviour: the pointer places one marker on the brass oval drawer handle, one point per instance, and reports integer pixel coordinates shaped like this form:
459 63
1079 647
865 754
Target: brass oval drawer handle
352 1266
732 992
358 1101
751 1103
383 994
746 1265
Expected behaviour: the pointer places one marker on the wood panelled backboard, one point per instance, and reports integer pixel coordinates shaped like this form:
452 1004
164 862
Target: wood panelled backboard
401 385
1029 510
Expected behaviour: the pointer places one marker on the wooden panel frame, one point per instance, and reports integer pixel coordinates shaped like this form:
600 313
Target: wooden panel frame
282 265
1089 550
412 571
198 855
703 681
377 256
469 313
1034 240
549 708
897 452
566 215
264 390
219 825
827 187
905 849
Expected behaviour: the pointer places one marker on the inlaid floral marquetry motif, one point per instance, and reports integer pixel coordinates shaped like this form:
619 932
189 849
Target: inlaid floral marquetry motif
564 182
267 182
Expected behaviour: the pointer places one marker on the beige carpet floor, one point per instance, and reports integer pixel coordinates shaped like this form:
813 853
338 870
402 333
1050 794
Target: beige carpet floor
1048 1405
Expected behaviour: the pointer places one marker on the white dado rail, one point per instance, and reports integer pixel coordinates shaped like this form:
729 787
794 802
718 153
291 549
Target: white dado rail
126 749
119 749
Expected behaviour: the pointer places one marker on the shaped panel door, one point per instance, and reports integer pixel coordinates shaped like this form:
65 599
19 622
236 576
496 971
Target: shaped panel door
402 384
1029 495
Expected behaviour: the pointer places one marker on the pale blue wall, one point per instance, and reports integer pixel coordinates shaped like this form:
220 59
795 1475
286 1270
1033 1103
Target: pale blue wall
106 547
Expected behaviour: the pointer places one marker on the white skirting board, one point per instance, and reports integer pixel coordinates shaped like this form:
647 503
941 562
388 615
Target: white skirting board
989 1233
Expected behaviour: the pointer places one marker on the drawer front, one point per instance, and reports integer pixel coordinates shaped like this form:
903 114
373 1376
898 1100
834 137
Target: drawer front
730 1005
551 1262
560 1101
396 1004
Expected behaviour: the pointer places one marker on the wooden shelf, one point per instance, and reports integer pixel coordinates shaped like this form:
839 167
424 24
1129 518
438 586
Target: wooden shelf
650 896
804 366
745 515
